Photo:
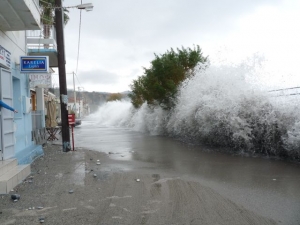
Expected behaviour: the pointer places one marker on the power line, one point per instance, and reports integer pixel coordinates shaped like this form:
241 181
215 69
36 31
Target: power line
77 79
75 75
78 48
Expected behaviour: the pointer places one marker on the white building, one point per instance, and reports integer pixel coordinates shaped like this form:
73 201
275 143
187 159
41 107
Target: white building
18 135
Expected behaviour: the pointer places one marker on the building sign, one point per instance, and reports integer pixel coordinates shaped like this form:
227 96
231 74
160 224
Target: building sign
34 64
40 80
4 58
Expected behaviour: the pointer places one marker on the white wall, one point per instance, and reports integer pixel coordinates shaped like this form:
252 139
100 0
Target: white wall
15 43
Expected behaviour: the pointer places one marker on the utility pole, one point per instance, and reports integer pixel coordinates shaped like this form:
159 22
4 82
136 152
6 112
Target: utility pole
75 101
62 75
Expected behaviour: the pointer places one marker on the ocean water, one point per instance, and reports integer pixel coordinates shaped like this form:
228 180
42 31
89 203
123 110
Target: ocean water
223 106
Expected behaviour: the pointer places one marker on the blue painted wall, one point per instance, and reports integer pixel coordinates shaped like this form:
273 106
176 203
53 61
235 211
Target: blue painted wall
25 149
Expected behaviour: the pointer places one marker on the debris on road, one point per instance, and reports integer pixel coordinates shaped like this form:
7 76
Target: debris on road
15 196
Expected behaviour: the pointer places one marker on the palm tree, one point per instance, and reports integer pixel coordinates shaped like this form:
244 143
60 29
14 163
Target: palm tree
48 17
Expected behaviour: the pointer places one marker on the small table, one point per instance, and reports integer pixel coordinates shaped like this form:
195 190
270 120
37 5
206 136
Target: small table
52 131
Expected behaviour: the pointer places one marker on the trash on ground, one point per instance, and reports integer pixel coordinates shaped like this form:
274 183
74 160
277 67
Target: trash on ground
15 196
95 175
98 163
71 191
138 180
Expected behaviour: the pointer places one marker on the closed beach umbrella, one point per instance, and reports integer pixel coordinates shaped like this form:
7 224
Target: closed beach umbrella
51 113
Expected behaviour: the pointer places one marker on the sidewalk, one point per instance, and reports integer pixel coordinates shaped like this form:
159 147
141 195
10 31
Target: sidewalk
62 189
71 189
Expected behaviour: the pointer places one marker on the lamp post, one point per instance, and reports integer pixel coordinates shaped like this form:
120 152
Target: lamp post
62 70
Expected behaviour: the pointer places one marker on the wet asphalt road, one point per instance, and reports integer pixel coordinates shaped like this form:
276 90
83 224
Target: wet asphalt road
267 187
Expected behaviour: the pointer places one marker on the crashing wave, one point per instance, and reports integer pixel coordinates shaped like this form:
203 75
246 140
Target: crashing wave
218 107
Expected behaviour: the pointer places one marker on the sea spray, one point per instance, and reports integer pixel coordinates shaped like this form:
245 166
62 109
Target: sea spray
218 107
221 108
114 113
148 119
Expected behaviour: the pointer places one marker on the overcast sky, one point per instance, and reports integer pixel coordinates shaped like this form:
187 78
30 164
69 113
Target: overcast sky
119 37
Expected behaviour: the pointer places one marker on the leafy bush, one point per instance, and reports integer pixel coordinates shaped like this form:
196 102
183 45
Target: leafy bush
159 84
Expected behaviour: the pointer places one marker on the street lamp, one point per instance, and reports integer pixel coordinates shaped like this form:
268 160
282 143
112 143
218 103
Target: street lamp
87 6
62 70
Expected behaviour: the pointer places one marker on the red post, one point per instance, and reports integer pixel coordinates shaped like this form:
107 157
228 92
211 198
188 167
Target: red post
71 119
73 136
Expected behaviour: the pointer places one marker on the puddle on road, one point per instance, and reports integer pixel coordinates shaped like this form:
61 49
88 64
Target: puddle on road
126 156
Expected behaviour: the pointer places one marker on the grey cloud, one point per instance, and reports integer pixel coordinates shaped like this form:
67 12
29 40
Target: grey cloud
147 19
125 33
100 76
97 77
157 23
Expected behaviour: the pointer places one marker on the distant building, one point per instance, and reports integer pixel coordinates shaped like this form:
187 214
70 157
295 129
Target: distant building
81 108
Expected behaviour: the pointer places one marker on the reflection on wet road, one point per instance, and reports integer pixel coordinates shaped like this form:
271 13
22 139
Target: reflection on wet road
268 187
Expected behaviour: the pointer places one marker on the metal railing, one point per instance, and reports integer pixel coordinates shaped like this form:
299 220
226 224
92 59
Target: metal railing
42 39
286 91
286 95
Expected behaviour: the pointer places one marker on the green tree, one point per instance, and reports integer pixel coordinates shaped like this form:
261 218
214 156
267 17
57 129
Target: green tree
48 17
159 84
